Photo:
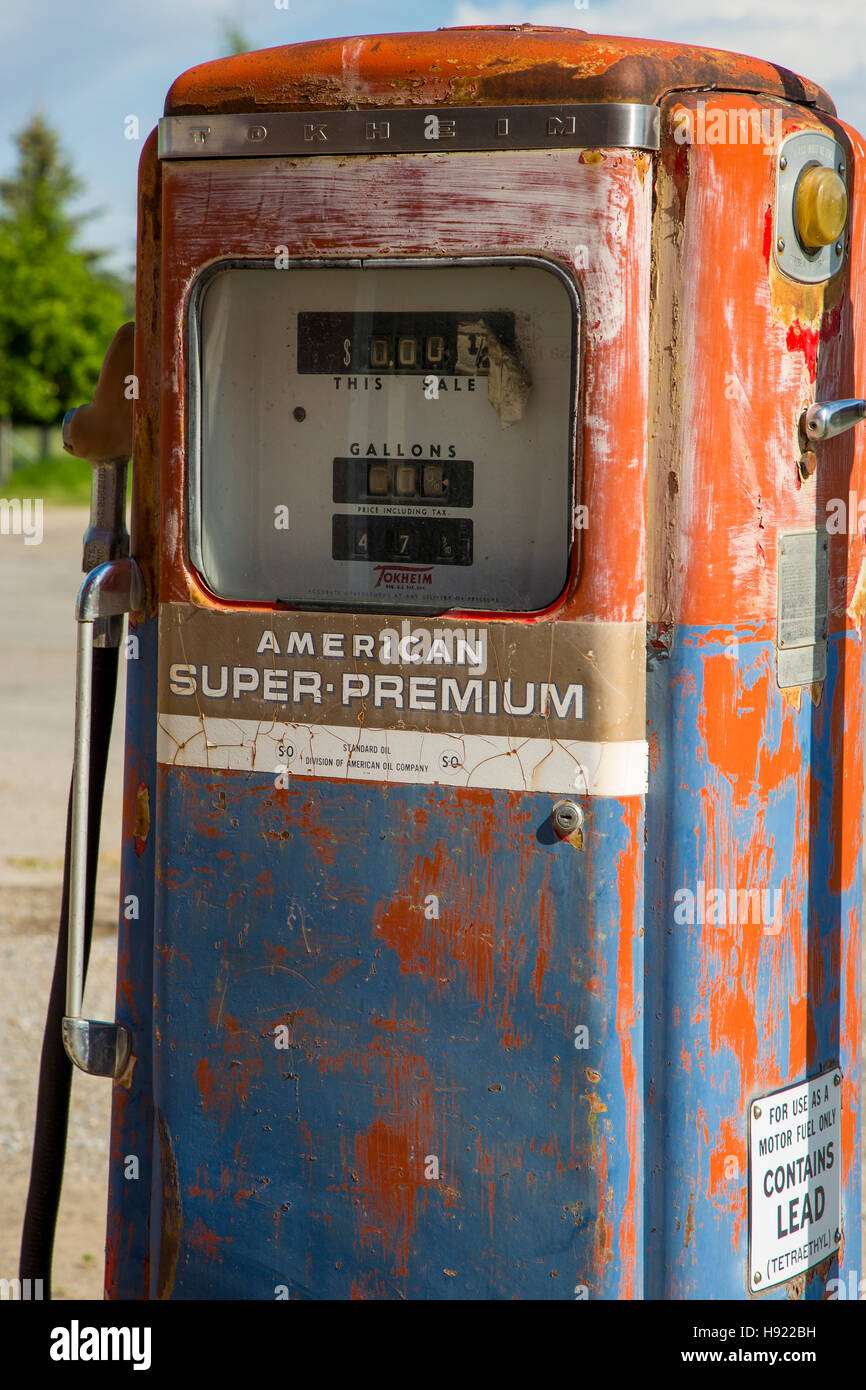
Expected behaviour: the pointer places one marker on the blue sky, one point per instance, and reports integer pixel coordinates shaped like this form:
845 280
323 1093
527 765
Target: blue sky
88 64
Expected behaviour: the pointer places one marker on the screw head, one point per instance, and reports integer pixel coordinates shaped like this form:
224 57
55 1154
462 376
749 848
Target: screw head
838 248
756 1277
757 1112
837 1078
838 1235
780 244
841 168
783 163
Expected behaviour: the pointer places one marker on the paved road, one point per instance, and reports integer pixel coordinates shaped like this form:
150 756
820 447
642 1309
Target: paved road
38 584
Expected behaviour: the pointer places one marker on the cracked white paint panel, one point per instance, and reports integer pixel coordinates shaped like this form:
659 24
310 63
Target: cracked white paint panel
406 756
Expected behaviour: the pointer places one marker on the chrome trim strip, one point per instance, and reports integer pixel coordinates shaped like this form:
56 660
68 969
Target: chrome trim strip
407 130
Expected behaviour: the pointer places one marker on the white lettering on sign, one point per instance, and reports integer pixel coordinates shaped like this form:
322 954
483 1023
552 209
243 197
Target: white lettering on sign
794 1186
451 695
412 646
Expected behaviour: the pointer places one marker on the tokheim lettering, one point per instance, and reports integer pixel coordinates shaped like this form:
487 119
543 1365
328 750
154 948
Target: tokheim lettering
391 575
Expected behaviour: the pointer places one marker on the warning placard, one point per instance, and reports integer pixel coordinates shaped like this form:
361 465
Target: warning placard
794 1188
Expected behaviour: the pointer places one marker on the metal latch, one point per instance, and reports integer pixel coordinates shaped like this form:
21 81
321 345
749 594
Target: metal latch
829 418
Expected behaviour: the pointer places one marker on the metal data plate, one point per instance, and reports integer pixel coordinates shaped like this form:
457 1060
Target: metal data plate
801 608
795 1150
797 153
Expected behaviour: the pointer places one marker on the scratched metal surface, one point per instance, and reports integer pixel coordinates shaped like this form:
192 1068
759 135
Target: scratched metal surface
132 1137
487 65
410 1037
749 785
736 1010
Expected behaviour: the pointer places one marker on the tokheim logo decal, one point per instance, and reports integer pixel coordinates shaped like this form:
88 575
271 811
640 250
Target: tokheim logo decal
398 576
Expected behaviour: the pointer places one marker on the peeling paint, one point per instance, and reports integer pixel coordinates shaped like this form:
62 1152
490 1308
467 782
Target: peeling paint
141 825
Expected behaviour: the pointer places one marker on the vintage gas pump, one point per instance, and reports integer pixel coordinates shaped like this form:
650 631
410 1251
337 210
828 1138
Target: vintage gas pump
491 885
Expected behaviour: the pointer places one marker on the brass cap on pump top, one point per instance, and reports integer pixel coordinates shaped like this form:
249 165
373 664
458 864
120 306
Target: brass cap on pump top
820 207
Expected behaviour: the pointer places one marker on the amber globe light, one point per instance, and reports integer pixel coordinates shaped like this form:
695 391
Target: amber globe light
820 207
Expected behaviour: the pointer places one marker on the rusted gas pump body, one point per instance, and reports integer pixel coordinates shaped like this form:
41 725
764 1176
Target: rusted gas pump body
420 1004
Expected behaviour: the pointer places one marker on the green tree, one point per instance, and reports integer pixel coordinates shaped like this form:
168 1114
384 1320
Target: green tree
43 183
234 38
58 308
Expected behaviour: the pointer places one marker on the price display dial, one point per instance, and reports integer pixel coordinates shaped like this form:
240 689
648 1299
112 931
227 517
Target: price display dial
384 437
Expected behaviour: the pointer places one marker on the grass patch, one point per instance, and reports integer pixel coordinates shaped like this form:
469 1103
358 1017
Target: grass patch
61 479
31 861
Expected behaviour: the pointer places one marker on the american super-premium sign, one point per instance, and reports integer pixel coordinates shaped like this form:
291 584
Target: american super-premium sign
553 707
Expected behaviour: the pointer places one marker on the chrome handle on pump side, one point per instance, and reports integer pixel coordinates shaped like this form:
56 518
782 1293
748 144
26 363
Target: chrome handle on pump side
824 420
110 590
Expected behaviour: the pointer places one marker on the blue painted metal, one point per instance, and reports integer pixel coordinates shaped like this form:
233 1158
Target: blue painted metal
736 1011
301 1171
132 1109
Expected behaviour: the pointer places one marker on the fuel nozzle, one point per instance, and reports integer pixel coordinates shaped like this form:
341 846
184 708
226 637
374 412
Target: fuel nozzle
102 433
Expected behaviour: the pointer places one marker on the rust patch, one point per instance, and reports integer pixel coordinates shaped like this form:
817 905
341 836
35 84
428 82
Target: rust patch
207 1243
225 1085
490 65
141 825
171 1214
144 514
690 1221
387 1172
126 1079
643 164
666 369
603 1252
857 606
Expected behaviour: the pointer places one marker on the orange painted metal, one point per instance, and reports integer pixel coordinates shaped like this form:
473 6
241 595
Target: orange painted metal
768 784
558 204
475 66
